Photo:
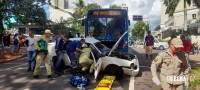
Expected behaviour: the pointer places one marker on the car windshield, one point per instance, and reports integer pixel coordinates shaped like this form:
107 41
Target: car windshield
101 47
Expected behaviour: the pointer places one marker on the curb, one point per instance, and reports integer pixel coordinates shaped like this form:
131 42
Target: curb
4 61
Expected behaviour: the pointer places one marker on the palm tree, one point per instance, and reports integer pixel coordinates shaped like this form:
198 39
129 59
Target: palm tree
115 6
172 4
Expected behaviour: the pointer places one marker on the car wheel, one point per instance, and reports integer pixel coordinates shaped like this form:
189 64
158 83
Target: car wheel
161 47
115 70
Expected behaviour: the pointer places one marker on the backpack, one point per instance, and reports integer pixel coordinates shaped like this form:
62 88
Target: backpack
78 81
43 45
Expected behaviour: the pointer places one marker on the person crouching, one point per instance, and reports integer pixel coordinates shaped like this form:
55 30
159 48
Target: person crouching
84 59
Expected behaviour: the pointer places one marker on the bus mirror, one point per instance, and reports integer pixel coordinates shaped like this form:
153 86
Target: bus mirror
83 22
129 22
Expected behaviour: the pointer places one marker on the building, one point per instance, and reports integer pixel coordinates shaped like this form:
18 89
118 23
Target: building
59 10
175 23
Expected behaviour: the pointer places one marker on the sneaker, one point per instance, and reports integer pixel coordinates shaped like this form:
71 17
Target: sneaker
49 76
36 76
29 69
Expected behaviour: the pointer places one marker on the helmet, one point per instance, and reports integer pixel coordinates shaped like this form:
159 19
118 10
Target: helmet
47 31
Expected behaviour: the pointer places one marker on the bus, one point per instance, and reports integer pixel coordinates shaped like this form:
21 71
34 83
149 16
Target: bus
105 24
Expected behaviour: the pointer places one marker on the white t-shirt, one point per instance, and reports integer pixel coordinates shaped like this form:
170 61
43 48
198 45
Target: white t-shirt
31 44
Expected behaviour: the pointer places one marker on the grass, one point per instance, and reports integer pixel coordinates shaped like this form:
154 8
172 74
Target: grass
195 82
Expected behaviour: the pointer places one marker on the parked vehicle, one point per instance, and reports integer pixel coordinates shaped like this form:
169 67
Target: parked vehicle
160 45
105 59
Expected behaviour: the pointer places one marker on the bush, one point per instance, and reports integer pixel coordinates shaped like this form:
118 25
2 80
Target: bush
195 80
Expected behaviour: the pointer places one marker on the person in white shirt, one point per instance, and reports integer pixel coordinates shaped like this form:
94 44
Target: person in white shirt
31 53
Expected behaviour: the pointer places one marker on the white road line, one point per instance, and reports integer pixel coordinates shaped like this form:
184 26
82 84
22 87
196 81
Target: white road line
132 83
11 68
145 66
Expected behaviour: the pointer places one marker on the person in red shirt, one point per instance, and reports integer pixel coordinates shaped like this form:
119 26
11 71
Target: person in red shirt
187 46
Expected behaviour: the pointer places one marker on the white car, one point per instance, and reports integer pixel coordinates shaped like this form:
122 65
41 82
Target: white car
160 45
115 63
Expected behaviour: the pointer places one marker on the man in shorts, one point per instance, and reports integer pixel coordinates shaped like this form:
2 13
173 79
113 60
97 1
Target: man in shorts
149 42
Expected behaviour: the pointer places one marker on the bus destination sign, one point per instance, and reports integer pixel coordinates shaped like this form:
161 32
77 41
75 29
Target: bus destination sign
106 13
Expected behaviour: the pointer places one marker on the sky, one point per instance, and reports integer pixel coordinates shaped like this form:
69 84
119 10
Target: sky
150 9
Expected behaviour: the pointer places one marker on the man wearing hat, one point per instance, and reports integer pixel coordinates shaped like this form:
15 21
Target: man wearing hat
174 68
41 46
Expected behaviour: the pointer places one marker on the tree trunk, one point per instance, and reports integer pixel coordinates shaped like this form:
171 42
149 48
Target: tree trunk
185 15
1 23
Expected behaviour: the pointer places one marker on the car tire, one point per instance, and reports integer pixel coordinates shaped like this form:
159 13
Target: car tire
161 47
115 70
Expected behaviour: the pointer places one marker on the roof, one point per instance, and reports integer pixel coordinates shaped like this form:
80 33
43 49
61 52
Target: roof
87 40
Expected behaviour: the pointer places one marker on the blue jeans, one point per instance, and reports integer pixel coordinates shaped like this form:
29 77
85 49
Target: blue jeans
73 59
31 59
58 60
15 48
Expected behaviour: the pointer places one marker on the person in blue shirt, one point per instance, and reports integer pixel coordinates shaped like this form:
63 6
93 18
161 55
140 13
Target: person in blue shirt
74 46
121 45
58 48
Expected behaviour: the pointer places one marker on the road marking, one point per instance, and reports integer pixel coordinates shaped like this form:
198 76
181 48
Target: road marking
132 83
145 66
11 68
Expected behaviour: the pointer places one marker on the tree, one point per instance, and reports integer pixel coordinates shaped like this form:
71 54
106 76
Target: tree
80 11
172 4
139 30
115 6
90 6
157 28
24 11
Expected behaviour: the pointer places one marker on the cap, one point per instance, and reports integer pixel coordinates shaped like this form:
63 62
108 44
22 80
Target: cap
177 42
47 31
84 46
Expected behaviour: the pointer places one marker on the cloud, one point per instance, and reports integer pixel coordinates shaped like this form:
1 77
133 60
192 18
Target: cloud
148 8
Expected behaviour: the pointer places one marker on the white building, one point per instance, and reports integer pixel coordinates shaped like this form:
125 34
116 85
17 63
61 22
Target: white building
176 22
59 10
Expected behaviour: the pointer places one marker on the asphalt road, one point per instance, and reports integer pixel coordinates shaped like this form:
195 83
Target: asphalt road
13 76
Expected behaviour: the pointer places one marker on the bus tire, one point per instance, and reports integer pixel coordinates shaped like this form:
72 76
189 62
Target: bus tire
114 70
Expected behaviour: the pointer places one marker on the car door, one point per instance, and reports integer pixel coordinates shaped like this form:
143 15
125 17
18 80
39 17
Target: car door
156 43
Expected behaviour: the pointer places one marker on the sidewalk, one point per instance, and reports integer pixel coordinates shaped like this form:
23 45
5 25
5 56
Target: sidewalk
195 60
8 56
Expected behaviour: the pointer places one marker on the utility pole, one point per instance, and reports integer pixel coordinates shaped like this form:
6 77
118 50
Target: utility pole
185 16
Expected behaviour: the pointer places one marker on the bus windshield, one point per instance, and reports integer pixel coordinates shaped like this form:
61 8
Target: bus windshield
106 28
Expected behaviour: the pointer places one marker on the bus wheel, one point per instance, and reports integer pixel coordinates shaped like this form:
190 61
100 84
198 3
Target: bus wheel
114 70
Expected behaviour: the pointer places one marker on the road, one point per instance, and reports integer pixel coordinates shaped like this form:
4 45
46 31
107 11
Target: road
14 77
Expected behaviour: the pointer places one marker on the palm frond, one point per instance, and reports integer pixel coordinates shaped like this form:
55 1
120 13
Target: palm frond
197 3
171 6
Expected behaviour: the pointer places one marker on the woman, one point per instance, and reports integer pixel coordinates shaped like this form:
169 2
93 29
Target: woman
15 47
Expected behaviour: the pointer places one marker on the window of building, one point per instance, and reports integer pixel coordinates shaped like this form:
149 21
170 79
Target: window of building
194 16
66 4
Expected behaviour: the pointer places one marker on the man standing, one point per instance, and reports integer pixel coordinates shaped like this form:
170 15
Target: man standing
149 43
58 48
31 52
1 42
8 39
15 47
41 46
122 43
187 36
172 64
74 46
187 46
